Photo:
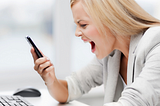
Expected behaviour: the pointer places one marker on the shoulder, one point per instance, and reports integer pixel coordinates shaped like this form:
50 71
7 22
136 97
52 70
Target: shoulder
151 35
149 40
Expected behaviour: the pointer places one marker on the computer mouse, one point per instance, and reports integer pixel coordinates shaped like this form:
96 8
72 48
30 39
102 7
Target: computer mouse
28 92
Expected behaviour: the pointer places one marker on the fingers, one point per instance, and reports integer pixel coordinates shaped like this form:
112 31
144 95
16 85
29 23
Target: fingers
42 64
34 55
44 67
48 72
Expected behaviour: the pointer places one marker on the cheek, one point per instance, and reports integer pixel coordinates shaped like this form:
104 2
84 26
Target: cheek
92 32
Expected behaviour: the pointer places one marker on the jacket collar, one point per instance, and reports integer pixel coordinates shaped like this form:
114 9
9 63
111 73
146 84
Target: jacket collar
112 72
131 59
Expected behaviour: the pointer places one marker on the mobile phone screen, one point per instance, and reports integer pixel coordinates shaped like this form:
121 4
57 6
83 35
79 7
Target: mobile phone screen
34 46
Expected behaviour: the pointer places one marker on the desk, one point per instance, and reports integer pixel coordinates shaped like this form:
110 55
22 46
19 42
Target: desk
45 99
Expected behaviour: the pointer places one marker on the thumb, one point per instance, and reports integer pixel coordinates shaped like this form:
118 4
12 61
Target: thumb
34 55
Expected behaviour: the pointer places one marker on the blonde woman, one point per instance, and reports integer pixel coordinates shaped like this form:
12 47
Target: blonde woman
126 42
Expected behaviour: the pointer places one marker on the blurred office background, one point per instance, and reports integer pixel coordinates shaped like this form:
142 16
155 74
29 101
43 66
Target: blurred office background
50 24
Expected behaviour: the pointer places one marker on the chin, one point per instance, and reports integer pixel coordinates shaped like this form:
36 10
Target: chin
99 57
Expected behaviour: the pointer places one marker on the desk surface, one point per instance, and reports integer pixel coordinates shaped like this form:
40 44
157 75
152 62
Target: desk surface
45 100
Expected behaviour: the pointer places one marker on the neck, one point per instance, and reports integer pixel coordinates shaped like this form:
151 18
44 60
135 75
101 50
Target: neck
123 45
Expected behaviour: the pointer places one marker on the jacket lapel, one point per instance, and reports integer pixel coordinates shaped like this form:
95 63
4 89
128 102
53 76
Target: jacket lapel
131 59
112 75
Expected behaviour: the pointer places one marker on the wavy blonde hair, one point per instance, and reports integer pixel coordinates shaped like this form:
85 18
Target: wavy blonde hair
122 17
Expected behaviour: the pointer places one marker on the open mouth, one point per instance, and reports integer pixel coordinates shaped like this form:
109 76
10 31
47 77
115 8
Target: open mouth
92 46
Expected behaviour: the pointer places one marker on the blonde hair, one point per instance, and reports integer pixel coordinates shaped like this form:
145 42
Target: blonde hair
122 17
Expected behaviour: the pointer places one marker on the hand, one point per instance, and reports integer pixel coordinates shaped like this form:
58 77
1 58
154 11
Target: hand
44 67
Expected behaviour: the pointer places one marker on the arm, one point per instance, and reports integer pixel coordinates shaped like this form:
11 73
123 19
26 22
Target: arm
80 82
57 88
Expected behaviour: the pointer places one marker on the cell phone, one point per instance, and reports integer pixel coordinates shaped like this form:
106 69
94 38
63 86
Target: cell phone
30 41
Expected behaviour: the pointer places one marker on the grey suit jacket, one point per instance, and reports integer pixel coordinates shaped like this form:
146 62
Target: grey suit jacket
143 74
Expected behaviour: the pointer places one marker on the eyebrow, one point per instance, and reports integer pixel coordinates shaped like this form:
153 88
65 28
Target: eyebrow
79 21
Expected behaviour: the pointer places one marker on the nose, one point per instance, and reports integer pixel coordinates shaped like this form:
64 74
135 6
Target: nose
78 33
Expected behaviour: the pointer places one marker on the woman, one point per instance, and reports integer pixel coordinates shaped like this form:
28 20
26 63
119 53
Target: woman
126 42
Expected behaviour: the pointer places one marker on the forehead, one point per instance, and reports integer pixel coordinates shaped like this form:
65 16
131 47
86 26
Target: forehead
79 12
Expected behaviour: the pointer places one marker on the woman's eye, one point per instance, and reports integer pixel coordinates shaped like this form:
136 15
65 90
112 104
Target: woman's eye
83 25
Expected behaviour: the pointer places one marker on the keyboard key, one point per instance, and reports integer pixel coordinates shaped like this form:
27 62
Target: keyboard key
1 104
13 101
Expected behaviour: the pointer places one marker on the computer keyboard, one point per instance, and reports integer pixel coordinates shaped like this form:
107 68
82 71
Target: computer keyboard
13 101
